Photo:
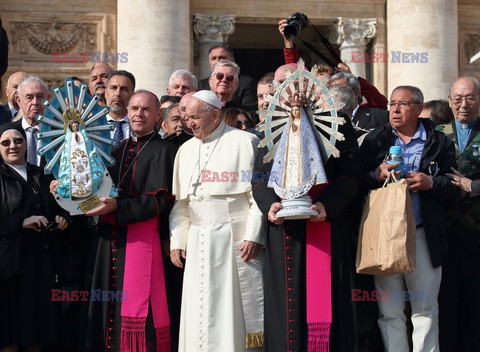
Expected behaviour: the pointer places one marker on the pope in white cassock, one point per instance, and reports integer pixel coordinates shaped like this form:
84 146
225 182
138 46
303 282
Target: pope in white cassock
216 227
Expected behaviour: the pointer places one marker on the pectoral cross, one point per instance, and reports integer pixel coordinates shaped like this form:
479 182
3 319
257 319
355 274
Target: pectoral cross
195 186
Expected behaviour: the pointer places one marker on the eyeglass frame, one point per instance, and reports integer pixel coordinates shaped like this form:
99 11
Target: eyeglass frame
403 104
469 99
220 76
16 141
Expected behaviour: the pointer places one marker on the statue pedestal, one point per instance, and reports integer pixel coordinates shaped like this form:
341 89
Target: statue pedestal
297 208
75 207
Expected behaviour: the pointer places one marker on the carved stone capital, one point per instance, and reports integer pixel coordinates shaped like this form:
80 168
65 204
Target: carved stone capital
356 31
213 27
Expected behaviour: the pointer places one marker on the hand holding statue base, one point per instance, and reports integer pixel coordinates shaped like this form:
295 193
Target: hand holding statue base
297 208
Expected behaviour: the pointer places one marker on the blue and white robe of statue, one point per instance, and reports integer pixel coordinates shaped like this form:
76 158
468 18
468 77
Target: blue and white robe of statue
297 164
81 169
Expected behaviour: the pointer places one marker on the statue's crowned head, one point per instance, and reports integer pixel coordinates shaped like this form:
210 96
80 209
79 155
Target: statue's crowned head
296 99
71 117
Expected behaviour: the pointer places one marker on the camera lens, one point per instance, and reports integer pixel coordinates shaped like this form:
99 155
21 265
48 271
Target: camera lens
296 23
291 30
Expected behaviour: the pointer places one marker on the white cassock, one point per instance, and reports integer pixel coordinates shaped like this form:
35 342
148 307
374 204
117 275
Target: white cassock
222 301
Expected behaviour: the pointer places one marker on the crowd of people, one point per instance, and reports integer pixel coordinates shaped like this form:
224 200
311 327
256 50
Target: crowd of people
191 255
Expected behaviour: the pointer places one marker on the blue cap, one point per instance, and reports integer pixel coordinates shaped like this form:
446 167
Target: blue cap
396 150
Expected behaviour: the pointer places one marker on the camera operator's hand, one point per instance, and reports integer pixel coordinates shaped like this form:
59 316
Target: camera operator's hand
288 43
343 67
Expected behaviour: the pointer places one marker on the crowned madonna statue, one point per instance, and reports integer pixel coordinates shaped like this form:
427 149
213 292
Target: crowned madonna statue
301 128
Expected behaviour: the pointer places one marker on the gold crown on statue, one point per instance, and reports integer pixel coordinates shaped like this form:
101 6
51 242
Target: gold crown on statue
297 99
72 115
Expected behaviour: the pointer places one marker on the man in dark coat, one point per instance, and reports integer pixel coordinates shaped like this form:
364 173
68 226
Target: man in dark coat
285 256
428 156
126 254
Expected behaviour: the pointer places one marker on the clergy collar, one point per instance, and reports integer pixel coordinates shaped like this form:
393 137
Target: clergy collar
465 126
142 138
216 133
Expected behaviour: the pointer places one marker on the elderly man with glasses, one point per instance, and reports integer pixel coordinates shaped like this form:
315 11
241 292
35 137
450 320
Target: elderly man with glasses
224 82
459 304
244 96
428 156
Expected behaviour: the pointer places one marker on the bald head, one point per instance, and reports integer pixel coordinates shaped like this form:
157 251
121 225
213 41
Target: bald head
280 72
12 85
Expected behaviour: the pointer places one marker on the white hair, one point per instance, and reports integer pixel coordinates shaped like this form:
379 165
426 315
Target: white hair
30 79
184 73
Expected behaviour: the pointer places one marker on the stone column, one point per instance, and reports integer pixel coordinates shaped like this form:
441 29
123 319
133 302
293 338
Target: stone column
353 37
422 45
156 36
209 29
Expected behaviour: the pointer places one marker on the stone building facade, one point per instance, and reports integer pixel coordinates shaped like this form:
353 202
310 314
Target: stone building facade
426 43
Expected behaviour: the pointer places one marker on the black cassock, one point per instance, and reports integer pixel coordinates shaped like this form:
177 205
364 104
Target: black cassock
285 302
142 168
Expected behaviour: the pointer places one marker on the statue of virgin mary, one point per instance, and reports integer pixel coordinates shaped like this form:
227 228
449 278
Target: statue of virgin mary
75 140
297 165
301 127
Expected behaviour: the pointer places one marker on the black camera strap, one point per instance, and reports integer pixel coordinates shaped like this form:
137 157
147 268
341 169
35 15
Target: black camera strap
316 51
328 46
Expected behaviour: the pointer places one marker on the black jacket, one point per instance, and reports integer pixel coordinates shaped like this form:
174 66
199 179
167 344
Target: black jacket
16 204
438 155
369 119
5 114
13 197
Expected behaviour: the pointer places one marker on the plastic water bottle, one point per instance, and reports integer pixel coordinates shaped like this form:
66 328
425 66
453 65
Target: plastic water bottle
396 156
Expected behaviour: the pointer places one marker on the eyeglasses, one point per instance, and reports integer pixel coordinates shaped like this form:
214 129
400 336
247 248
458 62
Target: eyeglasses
228 78
247 124
402 104
6 143
470 99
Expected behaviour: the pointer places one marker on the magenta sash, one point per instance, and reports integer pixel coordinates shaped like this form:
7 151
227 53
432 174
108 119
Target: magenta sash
319 285
144 282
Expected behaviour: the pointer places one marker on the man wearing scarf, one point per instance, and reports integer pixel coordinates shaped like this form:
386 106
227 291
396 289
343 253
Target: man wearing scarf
128 310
